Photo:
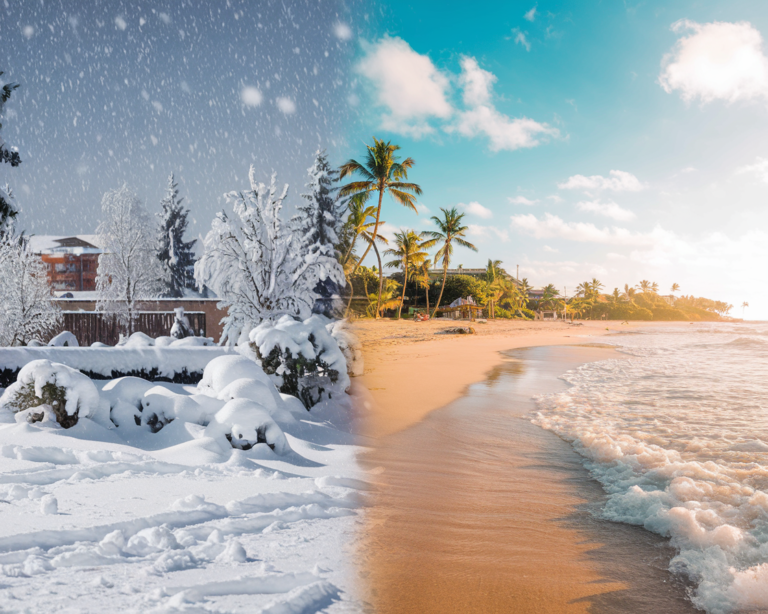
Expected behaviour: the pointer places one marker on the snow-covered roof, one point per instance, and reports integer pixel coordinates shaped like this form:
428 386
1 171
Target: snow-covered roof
74 244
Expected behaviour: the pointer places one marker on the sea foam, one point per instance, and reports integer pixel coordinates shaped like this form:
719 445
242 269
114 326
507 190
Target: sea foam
677 434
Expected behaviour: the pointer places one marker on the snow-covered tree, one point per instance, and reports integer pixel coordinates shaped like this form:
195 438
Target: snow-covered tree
129 271
8 209
255 262
318 225
174 253
26 310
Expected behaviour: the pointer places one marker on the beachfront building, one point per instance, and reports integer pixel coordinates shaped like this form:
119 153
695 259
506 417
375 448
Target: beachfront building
72 261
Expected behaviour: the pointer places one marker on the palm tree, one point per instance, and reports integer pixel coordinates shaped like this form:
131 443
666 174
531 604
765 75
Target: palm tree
744 305
359 224
525 289
421 276
644 286
596 285
549 296
494 282
615 296
450 231
584 289
629 292
382 172
389 299
655 288
675 288
408 252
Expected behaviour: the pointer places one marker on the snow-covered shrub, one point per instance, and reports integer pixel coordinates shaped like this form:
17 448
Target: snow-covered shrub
349 345
303 359
245 423
181 327
26 309
160 406
69 393
257 264
64 339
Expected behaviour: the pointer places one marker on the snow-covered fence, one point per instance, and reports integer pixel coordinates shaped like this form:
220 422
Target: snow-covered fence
92 326
182 365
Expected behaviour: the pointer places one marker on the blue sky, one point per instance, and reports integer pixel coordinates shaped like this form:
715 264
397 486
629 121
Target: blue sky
607 140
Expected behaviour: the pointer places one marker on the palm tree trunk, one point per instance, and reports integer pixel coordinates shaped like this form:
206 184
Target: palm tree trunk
351 275
373 241
439 298
381 280
402 299
426 293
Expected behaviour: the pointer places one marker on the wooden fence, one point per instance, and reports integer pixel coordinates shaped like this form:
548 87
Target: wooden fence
91 326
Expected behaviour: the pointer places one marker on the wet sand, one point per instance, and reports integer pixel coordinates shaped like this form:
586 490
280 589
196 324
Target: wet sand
478 510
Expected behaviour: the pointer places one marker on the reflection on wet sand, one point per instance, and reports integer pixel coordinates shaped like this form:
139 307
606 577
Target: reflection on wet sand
478 510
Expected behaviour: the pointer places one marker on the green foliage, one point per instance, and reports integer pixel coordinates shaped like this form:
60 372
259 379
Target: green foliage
302 377
460 286
53 395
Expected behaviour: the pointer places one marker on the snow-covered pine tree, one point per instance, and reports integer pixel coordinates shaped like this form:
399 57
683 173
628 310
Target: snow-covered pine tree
174 253
317 226
252 261
129 271
26 310
8 209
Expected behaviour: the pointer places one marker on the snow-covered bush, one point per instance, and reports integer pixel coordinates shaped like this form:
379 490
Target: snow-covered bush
349 345
69 394
245 423
26 310
129 271
303 358
257 264
181 327
63 340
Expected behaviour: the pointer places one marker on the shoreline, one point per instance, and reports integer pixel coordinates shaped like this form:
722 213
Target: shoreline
550 553
410 371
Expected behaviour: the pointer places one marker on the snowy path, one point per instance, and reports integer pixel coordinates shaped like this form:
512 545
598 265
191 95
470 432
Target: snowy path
157 532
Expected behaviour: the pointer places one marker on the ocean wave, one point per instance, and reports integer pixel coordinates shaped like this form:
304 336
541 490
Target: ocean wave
678 437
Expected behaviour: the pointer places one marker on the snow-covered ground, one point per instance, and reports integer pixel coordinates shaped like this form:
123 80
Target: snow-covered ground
99 517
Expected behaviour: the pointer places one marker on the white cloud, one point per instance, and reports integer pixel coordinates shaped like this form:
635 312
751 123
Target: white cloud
251 96
759 169
286 105
475 208
484 232
530 15
521 200
552 226
615 256
718 61
609 209
422 208
342 31
475 82
503 132
555 198
619 181
407 85
549 249
521 39
483 118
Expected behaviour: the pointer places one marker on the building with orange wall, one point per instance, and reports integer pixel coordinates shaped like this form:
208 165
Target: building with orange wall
72 261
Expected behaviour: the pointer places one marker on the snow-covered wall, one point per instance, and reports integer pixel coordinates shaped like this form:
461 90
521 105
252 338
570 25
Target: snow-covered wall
109 362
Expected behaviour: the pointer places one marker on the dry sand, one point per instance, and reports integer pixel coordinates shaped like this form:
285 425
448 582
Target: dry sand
444 533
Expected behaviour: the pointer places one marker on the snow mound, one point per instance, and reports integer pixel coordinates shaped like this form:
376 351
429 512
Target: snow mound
69 393
223 370
142 340
245 423
64 339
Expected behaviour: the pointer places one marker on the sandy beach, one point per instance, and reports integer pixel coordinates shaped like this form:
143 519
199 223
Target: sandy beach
478 510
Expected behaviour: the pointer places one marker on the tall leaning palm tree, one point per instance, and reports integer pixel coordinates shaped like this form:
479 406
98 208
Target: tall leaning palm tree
361 224
494 282
408 253
382 172
644 286
450 231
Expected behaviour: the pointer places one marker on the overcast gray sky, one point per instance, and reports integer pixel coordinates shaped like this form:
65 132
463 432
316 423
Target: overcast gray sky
115 92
